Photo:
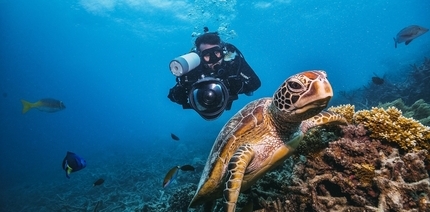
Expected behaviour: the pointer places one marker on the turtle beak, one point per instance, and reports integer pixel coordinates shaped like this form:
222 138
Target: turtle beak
314 107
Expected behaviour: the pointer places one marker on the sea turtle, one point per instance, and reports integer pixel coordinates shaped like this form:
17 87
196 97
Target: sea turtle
262 135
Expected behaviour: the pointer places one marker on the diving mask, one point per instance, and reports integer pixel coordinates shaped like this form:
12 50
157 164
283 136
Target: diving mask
212 55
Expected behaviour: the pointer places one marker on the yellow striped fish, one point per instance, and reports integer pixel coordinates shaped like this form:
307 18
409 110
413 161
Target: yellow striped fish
45 105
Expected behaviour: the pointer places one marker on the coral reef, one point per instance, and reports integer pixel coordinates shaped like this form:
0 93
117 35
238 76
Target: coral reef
389 125
317 139
413 88
379 162
132 183
347 111
355 173
180 199
420 76
347 168
420 110
401 182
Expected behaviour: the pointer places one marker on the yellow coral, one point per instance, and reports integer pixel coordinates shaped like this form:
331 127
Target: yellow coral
420 110
392 126
347 111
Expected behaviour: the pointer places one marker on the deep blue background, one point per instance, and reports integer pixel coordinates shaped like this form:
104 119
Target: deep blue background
108 61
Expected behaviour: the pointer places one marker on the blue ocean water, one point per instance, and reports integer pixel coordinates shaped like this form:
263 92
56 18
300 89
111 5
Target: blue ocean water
107 60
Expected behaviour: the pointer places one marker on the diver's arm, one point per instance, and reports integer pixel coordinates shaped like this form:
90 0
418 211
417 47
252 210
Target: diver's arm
251 81
178 94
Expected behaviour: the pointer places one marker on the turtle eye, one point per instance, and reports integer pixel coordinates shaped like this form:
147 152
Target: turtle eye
295 86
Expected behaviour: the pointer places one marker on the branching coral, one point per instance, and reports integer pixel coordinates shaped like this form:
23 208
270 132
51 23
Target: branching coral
390 125
420 110
181 198
347 111
397 194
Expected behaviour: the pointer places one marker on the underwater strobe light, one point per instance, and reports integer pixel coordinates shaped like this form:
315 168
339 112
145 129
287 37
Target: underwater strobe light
184 63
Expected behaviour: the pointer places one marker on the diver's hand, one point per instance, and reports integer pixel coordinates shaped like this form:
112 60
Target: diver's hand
250 93
178 94
235 84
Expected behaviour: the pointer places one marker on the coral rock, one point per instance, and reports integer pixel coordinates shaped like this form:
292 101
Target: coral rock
354 173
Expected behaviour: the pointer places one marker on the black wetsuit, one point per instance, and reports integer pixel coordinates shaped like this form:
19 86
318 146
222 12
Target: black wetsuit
234 72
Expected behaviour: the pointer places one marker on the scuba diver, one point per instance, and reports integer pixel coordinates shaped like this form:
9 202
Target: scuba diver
211 76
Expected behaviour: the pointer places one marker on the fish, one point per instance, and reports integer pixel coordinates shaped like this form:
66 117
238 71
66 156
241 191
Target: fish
99 182
73 163
174 137
46 105
170 176
409 33
377 80
230 56
187 168
173 172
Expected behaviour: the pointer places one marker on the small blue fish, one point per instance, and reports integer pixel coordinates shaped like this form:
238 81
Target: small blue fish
73 163
45 105
409 33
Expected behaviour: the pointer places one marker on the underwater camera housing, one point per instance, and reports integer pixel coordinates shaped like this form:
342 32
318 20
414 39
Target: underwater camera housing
209 97
184 63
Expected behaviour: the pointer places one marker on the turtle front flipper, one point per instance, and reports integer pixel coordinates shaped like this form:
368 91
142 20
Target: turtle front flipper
323 118
235 172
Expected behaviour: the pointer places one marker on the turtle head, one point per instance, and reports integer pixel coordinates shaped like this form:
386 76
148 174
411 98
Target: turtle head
301 96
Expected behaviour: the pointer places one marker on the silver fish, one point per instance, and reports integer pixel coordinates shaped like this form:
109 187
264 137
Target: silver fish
409 33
